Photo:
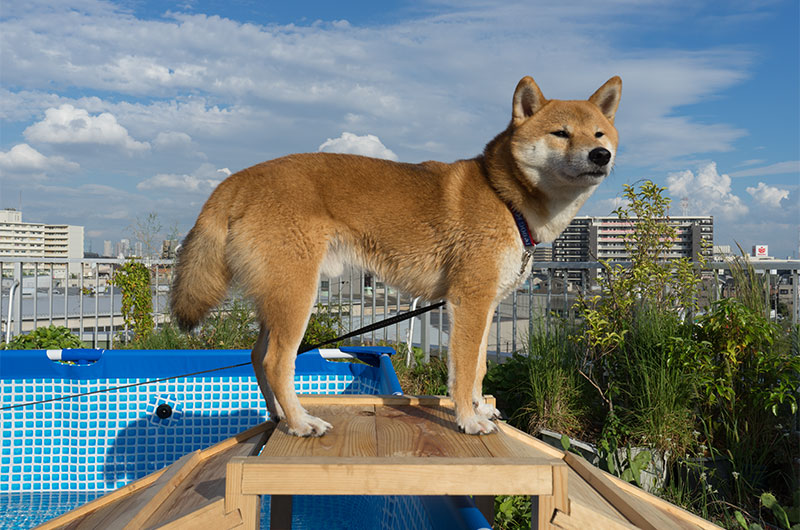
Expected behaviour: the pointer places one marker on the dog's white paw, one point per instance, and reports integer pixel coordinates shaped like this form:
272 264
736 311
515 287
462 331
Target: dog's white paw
487 411
477 425
310 426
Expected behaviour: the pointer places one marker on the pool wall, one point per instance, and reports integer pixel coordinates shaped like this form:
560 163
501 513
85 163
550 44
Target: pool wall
102 441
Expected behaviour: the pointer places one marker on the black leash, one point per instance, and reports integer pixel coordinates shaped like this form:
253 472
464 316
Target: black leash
366 329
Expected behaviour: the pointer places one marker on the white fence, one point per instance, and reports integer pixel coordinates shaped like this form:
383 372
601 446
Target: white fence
78 294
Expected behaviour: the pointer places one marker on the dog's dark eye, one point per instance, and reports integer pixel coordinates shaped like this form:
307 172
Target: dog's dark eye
599 134
560 134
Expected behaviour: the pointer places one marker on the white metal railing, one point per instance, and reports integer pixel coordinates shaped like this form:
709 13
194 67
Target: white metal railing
77 294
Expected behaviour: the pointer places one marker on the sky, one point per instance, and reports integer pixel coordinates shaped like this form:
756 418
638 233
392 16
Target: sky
110 111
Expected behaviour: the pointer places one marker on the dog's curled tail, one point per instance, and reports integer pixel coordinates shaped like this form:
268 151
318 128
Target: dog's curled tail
201 276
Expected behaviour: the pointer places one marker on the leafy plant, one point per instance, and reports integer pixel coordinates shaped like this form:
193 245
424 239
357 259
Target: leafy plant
421 378
512 512
541 388
323 326
51 337
133 279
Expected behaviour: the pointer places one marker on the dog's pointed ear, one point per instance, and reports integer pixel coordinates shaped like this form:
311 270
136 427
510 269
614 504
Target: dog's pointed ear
528 99
607 97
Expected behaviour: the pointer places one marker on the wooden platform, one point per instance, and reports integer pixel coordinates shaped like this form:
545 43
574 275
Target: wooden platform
379 445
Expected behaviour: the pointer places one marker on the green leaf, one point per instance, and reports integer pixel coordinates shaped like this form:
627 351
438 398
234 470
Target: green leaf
769 500
565 443
741 520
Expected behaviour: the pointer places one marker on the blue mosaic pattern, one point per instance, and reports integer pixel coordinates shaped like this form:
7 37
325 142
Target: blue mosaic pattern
57 456
104 441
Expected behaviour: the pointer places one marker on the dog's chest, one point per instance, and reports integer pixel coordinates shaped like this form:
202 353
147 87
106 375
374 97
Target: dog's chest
514 268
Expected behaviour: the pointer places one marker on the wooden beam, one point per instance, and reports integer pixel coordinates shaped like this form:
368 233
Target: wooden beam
661 504
649 518
558 501
210 517
138 514
393 476
101 502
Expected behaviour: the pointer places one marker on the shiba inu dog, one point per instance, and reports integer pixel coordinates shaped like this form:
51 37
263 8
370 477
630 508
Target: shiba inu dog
435 230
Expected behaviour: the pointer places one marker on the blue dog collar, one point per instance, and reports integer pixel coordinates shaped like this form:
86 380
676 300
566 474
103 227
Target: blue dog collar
524 230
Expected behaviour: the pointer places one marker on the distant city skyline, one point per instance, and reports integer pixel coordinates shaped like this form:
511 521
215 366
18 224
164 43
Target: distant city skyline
111 110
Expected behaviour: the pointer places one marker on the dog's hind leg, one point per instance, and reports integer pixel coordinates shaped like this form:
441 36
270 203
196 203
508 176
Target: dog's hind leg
286 317
470 315
257 358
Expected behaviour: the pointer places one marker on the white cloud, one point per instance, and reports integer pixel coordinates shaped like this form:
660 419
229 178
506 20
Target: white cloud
708 192
172 140
781 168
367 145
203 179
768 195
24 160
412 82
69 125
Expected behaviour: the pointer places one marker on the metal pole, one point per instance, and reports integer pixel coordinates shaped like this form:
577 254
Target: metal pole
385 310
514 321
18 300
424 339
35 295
497 330
80 304
350 303
361 296
548 306
96 303
66 294
51 295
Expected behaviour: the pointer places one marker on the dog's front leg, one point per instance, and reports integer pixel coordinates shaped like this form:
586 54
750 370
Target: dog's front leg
468 339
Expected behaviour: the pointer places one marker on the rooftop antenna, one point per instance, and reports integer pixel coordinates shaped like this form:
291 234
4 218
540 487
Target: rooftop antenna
685 206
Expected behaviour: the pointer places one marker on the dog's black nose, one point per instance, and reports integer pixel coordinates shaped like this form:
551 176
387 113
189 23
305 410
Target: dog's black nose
600 156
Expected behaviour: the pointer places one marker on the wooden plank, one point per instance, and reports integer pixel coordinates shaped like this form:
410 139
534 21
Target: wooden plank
137 515
582 517
548 505
309 400
245 436
641 514
212 516
422 431
504 445
283 443
394 476
456 443
353 432
689 519
583 494
101 502
105 516
249 506
206 482
529 440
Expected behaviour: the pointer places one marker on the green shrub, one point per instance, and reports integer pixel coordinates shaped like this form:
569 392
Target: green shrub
133 279
541 388
49 338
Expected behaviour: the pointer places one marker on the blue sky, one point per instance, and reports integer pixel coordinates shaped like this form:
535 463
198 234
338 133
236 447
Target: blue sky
112 110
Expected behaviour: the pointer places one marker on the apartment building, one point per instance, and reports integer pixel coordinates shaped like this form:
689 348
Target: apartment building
603 238
19 239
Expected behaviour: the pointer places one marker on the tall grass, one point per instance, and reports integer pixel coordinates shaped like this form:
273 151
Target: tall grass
540 388
657 392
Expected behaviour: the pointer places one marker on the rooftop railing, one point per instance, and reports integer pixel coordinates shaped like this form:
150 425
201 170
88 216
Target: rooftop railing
78 294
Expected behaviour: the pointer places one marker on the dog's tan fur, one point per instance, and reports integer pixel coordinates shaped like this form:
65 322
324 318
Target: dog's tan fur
432 229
